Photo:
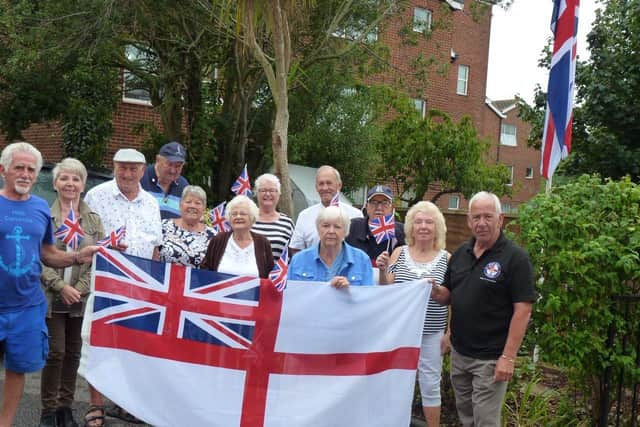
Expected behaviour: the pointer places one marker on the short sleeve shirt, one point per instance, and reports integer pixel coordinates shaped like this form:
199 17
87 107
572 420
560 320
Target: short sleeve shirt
25 225
305 235
140 216
483 291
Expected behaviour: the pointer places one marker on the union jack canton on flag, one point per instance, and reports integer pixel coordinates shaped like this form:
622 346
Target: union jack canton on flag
383 228
242 185
70 232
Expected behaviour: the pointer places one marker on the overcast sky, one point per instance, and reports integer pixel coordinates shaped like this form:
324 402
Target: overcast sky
518 36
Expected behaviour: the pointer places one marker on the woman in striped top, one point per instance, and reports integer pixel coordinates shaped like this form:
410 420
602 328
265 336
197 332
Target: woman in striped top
275 226
424 257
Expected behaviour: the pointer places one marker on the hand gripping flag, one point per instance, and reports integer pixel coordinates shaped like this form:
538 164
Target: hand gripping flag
335 200
383 228
218 221
115 238
232 351
70 231
242 185
556 141
278 275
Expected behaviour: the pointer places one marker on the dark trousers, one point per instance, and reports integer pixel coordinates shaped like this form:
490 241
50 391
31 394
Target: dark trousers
58 383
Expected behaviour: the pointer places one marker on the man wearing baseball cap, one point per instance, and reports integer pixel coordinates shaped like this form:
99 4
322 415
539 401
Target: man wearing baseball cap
163 179
379 203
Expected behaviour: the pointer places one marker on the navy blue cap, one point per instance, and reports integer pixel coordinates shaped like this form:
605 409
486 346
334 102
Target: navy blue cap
380 190
173 151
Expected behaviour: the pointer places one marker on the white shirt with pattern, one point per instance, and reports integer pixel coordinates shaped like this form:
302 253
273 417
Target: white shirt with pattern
141 216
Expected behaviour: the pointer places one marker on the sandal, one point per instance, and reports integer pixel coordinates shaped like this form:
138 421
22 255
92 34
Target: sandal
117 412
93 420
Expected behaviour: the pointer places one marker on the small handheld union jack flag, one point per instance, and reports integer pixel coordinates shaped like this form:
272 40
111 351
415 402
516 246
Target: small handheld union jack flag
242 185
70 231
278 275
383 228
335 200
115 238
218 221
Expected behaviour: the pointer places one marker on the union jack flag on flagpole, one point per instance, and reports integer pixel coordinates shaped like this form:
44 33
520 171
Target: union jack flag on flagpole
556 141
383 228
218 221
278 275
242 185
70 231
115 237
335 200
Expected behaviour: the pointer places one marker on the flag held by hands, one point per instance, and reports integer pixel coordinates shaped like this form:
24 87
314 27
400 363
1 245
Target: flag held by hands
70 232
383 228
115 238
278 275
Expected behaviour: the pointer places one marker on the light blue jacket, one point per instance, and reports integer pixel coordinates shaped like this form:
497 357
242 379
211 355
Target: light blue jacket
307 265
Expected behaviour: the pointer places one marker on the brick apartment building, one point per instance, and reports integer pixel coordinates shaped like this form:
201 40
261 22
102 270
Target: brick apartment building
460 46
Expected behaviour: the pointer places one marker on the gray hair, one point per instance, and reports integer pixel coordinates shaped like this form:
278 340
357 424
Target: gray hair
70 165
194 190
262 179
331 213
332 169
242 200
485 195
427 208
20 147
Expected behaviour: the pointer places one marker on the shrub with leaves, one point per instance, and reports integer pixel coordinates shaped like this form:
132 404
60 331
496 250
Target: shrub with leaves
584 241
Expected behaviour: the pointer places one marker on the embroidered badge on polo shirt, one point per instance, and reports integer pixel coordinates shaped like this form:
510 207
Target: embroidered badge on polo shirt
492 270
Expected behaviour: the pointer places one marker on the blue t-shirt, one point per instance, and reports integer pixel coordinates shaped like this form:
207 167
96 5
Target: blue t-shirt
170 202
352 263
25 225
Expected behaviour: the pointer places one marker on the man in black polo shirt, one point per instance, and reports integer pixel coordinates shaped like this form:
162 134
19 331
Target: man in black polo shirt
163 179
379 203
489 284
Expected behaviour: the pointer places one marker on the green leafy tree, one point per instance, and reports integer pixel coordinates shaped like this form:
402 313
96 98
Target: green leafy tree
584 241
417 153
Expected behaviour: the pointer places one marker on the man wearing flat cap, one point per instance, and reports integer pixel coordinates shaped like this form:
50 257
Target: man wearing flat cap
379 203
163 179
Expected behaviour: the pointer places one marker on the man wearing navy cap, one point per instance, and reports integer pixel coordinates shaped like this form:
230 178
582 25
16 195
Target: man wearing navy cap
163 180
379 203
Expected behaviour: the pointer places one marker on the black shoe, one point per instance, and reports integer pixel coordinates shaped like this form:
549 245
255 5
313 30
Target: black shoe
65 417
48 419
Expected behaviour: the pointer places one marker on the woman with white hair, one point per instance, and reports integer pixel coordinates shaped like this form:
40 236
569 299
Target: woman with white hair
424 257
240 251
274 225
66 290
185 239
332 260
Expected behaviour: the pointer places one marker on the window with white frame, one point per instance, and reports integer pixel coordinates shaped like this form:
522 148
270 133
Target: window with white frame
506 207
463 79
510 169
421 106
529 173
421 20
454 202
133 88
508 135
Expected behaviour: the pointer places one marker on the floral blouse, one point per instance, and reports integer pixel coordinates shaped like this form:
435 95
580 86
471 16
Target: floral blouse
180 246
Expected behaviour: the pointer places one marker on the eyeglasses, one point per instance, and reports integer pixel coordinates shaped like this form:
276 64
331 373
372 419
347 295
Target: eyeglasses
379 204
267 190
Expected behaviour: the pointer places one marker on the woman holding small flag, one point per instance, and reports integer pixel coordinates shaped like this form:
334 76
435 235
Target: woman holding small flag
424 257
66 289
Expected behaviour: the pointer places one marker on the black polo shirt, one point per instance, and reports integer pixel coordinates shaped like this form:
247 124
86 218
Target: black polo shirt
483 291
360 237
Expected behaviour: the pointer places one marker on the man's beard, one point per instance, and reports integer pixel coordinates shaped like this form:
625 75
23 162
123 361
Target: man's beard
22 189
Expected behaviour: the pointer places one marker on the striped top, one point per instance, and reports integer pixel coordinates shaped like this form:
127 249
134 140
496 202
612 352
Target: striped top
278 233
406 269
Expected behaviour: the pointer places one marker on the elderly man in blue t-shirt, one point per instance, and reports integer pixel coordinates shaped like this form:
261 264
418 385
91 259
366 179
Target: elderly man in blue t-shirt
26 239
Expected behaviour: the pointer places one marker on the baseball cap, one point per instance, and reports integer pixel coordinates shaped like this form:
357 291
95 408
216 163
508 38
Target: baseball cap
380 190
129 155
173 151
